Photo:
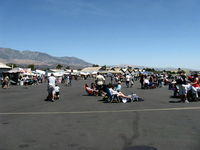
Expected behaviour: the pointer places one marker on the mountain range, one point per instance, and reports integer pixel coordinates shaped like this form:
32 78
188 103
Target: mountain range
44 60
8 55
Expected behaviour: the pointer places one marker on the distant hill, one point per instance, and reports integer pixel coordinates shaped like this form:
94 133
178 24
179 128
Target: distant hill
8 55
156 68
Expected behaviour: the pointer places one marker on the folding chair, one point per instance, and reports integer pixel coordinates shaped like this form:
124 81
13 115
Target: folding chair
112 98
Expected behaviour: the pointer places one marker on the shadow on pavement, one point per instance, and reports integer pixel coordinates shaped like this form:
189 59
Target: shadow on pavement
141 147
178 101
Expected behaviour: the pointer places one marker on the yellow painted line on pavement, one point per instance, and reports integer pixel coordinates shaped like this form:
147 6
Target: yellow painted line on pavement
103 111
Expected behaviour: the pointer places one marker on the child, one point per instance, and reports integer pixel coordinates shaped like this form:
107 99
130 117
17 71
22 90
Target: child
118 87
57 92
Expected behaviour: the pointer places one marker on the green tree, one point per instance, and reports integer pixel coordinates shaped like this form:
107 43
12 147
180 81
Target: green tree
95 65
32 66
59 66
11 65
150 69
68 67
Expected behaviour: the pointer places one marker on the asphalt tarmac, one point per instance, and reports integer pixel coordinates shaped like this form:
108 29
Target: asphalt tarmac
80 122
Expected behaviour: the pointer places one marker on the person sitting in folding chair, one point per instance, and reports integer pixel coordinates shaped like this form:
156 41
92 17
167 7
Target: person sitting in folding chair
90 91
108 96
119 94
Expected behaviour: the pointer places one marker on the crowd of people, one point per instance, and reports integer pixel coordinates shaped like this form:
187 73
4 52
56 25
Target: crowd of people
111 89
154 80
186 87
24 80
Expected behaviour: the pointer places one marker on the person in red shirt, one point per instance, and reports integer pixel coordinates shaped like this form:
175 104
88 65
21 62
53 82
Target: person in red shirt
195 81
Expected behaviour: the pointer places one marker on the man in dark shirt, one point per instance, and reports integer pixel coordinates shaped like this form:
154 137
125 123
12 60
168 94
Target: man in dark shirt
181 82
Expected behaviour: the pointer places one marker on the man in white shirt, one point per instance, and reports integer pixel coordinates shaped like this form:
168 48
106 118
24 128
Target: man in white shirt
128 78
51 87
26 78
100 81
52 80
146 83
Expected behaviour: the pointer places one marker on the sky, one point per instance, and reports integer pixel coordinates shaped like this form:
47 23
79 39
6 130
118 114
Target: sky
152 33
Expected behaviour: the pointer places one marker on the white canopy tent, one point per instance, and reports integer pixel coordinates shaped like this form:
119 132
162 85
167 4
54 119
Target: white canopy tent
4 66
16 70
41 72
